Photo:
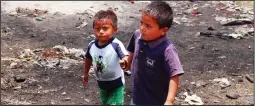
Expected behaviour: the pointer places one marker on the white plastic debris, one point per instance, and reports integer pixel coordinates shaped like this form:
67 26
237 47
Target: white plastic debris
61 49
193 99
77 52
222 81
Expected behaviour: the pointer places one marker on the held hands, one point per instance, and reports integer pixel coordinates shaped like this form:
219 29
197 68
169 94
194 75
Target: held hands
124 64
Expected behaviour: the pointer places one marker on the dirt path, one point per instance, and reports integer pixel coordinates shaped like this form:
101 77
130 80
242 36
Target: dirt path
206 58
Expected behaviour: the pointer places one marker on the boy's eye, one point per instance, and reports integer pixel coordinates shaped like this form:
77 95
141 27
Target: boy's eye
97 29
105 28
148 26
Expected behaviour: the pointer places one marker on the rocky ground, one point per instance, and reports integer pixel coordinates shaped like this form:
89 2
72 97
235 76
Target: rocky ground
42 46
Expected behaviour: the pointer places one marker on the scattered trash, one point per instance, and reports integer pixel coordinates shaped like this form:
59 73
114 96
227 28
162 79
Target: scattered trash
200 83
89 12
78 53
193 99
82 24
26 53
232 96
223 82
195 12
61 48
30 12
236 36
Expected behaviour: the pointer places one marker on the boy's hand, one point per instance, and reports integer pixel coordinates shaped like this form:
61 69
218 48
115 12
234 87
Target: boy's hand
123 64
85 81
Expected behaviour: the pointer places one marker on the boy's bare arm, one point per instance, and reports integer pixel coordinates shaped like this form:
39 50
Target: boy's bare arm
173 87
129 61
125 62
87 64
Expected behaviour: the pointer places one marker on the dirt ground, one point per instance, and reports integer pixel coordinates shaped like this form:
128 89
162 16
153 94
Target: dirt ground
205 57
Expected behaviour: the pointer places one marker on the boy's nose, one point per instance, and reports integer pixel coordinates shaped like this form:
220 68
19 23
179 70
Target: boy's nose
142 28
101 31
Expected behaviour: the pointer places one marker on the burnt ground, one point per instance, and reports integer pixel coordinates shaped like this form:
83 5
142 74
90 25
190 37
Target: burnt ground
204 58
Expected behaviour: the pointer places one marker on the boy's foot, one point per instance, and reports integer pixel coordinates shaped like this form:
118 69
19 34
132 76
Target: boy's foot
127 73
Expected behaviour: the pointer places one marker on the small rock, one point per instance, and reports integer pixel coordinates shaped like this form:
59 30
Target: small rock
249 47
210 28
63 42
240 80
87 100
13 65
232 96
210 60
16 88
192 83
39 18
19 78
64 93
67 99
191 48
249 78
216 101
222 57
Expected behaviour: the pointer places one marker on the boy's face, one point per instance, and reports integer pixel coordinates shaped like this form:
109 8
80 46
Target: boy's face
150 29
104 29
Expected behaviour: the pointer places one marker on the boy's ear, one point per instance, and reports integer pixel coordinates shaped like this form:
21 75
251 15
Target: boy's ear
164 30
115 29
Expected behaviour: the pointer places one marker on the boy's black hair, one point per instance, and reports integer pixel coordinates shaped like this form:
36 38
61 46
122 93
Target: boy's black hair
106 14
162 13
